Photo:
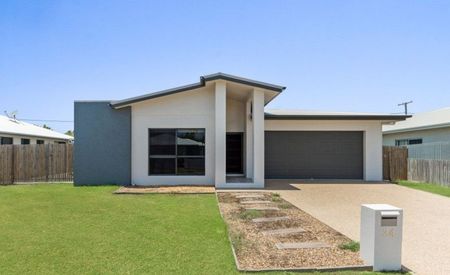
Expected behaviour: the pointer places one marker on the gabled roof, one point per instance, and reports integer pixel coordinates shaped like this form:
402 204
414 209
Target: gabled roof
422 121
202 83
16 127
320 115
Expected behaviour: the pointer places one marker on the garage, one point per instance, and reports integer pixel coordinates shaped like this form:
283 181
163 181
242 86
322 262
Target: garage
314 154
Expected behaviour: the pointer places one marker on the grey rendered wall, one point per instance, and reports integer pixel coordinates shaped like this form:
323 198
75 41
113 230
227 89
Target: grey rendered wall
102 153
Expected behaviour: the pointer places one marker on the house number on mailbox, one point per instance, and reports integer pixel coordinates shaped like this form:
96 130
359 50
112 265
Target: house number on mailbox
388 232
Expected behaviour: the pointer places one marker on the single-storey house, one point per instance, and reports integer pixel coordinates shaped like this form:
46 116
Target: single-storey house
217 132
14 131
422 128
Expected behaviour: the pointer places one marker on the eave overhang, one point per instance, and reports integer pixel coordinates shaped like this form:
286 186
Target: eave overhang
203 79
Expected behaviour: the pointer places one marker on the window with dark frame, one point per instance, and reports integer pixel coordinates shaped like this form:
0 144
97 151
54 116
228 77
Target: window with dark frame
6 140
176 151
39 141
411 141
24 141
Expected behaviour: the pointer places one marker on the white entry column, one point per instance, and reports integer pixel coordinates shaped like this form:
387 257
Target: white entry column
258 137
220 133
249 138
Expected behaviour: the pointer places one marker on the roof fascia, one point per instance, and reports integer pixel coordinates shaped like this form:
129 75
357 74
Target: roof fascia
334 117
203 79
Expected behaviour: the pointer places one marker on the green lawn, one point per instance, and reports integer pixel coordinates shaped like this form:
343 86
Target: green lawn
60 229
428 187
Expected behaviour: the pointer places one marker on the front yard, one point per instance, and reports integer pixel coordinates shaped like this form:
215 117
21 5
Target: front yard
60 229
427 187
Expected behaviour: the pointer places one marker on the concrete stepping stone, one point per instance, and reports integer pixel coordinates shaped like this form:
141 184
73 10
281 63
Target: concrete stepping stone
273 219
284 231
307 245
262 208
249 196
255 202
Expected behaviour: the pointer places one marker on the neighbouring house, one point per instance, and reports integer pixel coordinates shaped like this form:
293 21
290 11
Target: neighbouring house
216 132
13 131
422 128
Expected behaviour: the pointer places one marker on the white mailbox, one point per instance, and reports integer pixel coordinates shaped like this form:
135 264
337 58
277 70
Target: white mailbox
381 236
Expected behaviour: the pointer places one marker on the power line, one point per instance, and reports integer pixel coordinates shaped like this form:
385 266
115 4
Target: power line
46 120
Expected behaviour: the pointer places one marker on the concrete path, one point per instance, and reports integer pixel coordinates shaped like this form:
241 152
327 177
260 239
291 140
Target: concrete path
426 240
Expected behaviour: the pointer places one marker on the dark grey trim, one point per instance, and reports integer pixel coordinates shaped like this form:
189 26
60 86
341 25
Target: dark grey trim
92 101
202 83
120 103
244 81
334 117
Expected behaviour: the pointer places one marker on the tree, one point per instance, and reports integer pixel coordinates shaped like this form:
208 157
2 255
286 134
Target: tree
46 127
69 133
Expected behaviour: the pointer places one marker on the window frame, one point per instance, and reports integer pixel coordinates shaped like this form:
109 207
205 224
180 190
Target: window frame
399 142
40 141
6 138
25 141
175 157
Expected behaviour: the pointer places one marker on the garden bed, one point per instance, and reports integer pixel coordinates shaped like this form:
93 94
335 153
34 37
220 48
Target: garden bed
257 243
165 190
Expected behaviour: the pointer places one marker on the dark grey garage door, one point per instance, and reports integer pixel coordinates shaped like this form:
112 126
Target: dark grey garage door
313 155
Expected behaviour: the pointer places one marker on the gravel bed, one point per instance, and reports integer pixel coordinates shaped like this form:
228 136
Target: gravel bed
254 250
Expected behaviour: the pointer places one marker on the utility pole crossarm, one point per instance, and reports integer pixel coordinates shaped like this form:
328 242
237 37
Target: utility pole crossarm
405 104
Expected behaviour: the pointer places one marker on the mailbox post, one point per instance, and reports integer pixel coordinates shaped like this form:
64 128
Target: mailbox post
381 236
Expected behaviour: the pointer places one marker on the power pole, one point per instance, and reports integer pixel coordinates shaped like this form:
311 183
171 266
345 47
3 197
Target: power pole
406 106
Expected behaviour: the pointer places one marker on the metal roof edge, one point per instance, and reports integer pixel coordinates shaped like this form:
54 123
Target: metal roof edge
202 83
38 136
244 81
92 101
121 103
418 128
334 117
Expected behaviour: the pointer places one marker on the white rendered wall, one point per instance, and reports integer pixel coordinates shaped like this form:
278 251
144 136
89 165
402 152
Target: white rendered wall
220 105
373 147
235 115
248 140
258 138
192 109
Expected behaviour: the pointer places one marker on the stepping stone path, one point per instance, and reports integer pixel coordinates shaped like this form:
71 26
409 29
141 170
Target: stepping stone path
262 208
255 202
249 196
308 245
284 231
273 219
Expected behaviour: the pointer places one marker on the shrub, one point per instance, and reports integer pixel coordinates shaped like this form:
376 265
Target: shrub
276 197
352 246
250 214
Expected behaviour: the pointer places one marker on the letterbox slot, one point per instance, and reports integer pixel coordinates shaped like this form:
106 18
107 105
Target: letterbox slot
389 221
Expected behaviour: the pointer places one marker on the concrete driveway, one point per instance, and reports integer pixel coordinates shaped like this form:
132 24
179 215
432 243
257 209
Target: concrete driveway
426 239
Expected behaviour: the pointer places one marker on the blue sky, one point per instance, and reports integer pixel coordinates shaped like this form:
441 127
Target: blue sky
363 56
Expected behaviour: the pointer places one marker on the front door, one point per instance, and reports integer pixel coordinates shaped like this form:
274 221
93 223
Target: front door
234 153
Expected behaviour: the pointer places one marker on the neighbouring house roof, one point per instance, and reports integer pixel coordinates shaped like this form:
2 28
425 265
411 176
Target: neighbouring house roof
277 114
202 83
20 128
422 121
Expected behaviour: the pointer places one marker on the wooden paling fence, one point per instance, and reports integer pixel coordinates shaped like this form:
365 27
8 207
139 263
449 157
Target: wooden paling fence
395 163
429 170
36 163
